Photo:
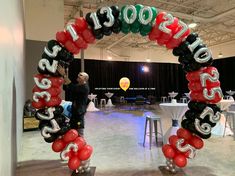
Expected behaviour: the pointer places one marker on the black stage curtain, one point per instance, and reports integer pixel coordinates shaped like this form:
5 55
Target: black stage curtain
163 77
105 75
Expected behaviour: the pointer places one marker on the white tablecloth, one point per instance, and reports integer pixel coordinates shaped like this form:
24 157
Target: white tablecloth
175 111
91 106
219 128
109 103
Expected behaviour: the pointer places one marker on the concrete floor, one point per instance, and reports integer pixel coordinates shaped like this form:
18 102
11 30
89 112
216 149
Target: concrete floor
117 135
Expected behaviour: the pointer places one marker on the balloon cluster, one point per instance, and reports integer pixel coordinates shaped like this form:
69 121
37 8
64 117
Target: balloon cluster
104 21
168 30
76 36
180 147
53 124
193 53
137 19
73 149
201 118
46 92
164 29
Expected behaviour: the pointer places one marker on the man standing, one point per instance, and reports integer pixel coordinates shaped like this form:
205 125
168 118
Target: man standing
79 98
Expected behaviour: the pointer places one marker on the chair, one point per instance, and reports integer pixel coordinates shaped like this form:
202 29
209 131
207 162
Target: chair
96 101
183 100
163 99
153 121
102 102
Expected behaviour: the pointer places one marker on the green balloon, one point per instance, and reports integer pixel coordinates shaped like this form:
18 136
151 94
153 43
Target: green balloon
122 10
134 29
143 33
146 28
125 30
135 26
155 12
125 27
138 7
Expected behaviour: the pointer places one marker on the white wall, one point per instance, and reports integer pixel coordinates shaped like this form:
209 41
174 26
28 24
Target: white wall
11 72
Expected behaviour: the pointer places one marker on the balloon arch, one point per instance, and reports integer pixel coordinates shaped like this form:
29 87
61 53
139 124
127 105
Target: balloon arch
160 27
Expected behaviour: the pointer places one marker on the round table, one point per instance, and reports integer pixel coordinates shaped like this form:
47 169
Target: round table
109 103
219 128
175 111
91 106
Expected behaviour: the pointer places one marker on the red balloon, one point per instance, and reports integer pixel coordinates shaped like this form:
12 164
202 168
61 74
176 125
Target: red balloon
37 89
180 160
81 43
172 140
74 163
88 36
54 101
196 142
54 91
70 136
69 45
58 145
195 86
38 105
85 153
80 142
159 17
168 151
61 37
183 133
80 25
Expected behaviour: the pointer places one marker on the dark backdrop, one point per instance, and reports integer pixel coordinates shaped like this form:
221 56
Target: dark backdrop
163 77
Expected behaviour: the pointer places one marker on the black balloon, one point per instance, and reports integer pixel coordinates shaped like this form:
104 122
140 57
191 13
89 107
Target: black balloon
107 31
89 20
117 26
115 11
51 139
192 37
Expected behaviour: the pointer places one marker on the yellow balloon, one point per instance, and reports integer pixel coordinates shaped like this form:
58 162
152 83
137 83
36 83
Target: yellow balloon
124 83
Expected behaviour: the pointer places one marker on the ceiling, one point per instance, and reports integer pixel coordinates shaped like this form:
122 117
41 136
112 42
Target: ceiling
215 19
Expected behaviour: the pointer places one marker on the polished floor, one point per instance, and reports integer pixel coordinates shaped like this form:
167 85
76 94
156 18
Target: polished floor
117 136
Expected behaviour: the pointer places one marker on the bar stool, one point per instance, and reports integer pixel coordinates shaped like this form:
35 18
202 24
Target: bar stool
230 115
102 102
183 100
96 101
163 99
153 122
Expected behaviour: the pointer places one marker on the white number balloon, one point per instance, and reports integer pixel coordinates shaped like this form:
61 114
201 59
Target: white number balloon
54 52
185 148
96 21
44 94
72 32
45 64
132 18
43 84
142 19
46 131
110 16
163 25
64 154
48 116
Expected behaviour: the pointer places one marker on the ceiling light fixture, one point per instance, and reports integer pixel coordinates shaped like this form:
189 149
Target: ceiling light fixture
148 60
192 25
109 58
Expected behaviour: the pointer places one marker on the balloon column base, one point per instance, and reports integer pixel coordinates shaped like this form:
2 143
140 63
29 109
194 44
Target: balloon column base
165 172
90 173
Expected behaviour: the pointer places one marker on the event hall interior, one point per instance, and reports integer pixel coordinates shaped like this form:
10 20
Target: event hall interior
161 87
